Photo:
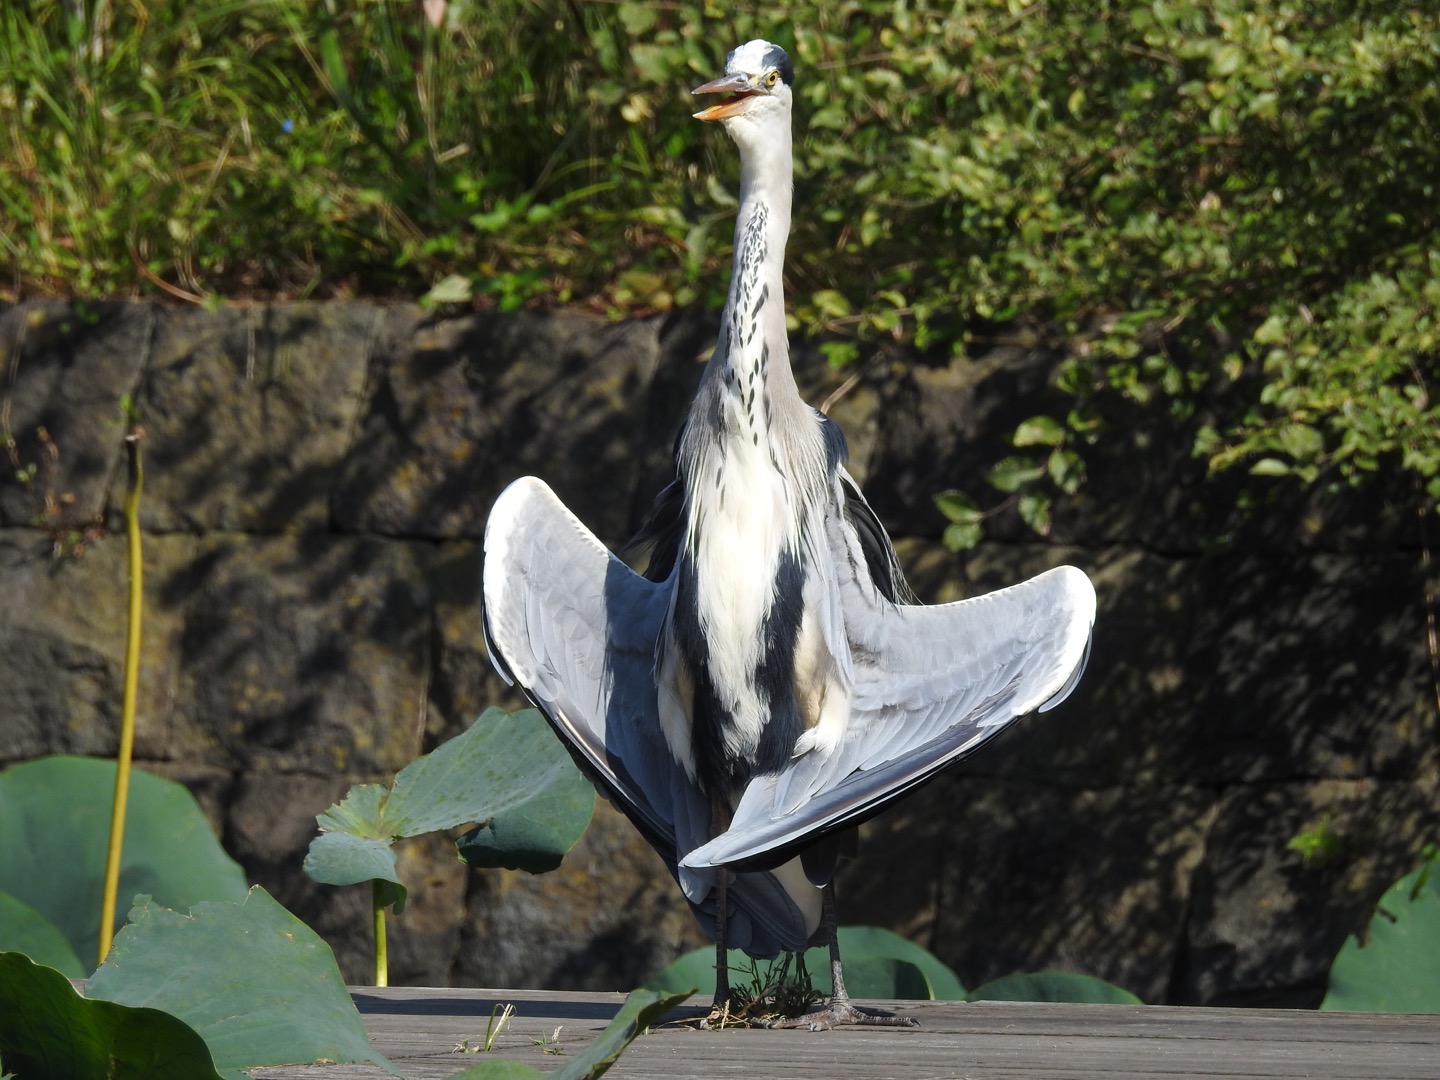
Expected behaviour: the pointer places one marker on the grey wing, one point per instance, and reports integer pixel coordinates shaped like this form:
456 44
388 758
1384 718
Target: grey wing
575 628
932 684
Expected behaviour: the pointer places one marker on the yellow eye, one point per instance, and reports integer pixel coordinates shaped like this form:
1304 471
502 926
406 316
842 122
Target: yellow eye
772 79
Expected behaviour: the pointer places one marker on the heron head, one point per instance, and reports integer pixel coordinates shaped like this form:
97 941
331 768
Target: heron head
757 80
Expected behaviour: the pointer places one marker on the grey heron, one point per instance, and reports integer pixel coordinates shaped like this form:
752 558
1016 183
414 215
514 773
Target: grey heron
768 684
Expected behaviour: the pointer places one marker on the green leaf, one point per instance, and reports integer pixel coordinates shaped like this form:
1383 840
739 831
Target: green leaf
1391 967
451 289
839 354
362 813
959 507
885 977
1067 469
25 930
1013 473
62 804
1053 986
958 537
340 858
830 303
642 1009
1035 511
1272 331
256 983
858 942
507 772
1301 441
1270 467
1040 431
538 805
637 18
48 1030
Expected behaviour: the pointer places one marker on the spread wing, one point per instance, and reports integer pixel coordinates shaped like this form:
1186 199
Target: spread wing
575 628
931 685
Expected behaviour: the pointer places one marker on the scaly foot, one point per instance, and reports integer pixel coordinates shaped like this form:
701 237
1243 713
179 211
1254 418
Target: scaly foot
838 1013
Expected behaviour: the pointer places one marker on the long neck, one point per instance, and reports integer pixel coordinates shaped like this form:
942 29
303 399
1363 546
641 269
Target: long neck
763 224
748 388
755 308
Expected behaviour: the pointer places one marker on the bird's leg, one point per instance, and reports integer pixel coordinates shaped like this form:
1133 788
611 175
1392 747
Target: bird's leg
720 1014
722 954
838 1010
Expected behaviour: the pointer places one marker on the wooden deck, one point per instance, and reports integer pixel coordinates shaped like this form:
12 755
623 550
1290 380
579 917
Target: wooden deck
421 1029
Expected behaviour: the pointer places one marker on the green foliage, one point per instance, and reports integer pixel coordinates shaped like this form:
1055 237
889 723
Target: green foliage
54 825
48 1030
1391 966
1047 465
1197 194
254 981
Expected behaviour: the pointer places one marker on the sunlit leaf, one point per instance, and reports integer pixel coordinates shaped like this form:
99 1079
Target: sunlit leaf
958 507
254 981
451 289
1040 431
1013 473
1035 511
960 536
1391 966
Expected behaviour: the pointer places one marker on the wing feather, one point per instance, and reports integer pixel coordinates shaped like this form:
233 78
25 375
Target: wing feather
932 684
575 628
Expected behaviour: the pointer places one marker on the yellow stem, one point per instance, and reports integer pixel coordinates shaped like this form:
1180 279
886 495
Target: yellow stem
127 710
382 958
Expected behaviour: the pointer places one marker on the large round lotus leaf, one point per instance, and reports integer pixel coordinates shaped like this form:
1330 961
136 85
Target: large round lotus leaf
1054 986
25 930
47 1029
257 984
55 832
856 942
1392 966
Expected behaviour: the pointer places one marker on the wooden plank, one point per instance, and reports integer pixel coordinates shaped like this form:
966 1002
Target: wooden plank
421 1030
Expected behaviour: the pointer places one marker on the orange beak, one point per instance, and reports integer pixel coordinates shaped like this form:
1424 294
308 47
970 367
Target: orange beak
736 86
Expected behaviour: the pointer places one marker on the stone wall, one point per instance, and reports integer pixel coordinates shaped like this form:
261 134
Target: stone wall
316 484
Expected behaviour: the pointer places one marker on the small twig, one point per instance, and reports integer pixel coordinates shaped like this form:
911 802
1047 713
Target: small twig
158 281
839 392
